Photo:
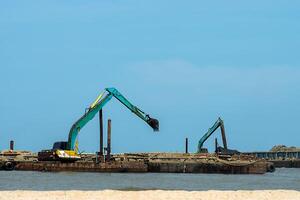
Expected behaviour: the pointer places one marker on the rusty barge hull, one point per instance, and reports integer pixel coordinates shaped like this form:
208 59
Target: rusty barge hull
196 167
155 163
141 167
82 166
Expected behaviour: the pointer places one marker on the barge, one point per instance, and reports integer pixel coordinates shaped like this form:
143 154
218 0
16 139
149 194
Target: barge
144 162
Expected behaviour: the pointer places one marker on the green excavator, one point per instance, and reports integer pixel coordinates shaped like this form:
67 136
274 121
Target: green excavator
220 150
67 150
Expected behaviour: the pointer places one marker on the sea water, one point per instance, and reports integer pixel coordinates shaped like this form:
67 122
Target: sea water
282 178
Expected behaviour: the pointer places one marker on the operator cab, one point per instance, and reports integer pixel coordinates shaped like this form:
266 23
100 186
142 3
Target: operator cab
60 145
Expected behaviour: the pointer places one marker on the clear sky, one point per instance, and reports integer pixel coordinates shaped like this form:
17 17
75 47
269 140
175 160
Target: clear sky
184 62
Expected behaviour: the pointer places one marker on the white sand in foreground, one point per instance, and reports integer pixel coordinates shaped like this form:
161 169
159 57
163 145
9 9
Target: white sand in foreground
149 194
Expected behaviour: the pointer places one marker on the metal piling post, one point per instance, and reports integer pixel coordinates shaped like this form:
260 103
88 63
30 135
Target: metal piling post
108 140
186 145
11 145
101 133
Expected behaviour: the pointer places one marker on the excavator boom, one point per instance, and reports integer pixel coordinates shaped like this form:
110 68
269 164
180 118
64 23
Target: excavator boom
82 121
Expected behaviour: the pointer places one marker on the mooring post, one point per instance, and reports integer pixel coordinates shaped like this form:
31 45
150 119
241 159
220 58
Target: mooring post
108 140
216 145
11 145
186 145
101 133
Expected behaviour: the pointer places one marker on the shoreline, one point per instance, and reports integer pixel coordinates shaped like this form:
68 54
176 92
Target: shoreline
150 194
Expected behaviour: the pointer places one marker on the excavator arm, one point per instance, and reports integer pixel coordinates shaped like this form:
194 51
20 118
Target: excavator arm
98 105
150 121
218 123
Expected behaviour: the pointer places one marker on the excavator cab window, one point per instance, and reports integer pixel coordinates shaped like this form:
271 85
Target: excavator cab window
60 145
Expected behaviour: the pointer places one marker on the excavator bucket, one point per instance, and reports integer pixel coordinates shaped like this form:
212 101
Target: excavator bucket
153 123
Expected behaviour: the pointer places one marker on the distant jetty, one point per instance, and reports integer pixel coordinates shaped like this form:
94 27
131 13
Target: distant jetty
280 156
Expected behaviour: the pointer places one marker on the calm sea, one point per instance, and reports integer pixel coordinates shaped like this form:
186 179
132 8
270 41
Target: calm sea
18 180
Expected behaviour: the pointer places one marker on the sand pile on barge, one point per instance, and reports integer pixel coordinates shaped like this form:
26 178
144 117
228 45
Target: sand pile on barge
150 194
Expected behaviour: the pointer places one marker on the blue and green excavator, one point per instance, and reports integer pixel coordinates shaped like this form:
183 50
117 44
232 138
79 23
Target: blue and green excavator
67 151
219 149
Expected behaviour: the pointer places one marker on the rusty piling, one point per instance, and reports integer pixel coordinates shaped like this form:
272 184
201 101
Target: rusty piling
108 140
186 145
11 145
101 133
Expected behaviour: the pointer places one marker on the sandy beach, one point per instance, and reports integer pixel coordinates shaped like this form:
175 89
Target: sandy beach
150 194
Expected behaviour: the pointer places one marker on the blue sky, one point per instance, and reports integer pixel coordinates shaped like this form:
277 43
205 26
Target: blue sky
184 63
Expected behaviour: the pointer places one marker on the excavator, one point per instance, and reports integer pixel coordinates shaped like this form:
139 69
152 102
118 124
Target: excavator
67 150
222 150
